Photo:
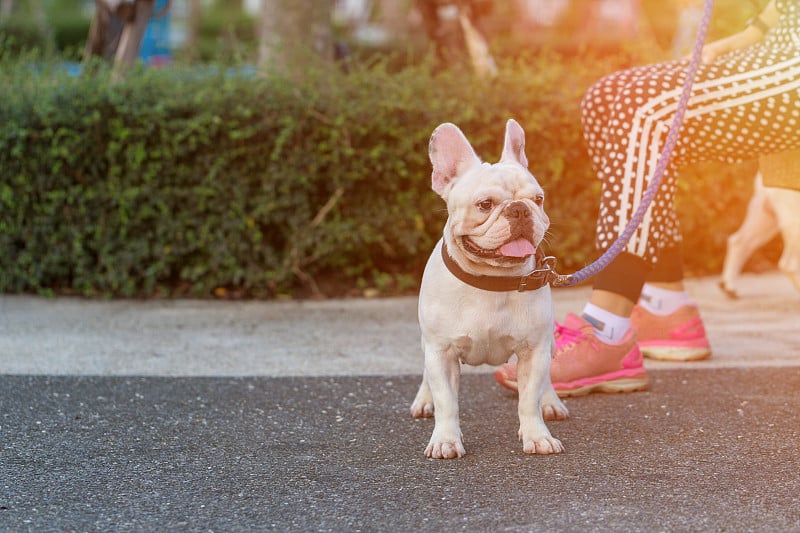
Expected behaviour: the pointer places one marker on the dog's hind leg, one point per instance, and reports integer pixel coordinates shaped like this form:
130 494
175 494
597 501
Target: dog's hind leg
552 406
759 226
786 203
422 407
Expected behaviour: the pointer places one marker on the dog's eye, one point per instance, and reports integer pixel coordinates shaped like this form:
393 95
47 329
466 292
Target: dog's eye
485 205
539 200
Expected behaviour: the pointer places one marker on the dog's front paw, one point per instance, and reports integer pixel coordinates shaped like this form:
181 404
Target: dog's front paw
450 449
542 446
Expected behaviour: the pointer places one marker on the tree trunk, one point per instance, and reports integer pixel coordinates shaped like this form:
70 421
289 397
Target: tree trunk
394 16
6 7
130 42
100 41
294 32
193 17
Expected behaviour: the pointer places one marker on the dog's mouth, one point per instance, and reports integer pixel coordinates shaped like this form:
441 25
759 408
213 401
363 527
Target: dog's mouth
517 249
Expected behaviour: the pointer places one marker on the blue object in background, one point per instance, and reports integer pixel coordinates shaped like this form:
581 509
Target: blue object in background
155 50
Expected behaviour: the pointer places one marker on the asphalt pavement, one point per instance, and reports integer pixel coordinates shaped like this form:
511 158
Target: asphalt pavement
293 416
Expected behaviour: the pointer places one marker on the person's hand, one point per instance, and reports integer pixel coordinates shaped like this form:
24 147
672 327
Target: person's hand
708 53
769 17
711 52
737 41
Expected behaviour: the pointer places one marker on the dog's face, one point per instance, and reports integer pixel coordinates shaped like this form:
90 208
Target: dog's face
496 217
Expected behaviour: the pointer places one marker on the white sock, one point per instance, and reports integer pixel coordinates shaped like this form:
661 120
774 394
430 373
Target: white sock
608 327
662 301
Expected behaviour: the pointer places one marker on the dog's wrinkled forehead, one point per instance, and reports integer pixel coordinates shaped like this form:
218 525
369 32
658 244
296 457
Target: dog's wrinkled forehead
498 181
509 175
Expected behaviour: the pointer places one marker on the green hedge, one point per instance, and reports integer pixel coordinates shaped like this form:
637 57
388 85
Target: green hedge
63 29
189 182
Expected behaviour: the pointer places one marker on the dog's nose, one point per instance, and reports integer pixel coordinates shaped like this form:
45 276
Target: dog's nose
517 209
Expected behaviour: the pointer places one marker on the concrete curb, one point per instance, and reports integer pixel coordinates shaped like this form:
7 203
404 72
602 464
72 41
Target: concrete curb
73 336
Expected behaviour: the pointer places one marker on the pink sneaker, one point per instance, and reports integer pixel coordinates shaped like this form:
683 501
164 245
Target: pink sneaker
676 337
584 364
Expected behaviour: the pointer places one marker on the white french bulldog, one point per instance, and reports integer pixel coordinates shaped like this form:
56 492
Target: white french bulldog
477 302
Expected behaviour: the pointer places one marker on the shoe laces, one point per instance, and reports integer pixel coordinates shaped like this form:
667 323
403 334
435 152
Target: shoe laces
566 337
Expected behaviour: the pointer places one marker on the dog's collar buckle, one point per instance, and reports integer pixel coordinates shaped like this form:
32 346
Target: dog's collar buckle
540 277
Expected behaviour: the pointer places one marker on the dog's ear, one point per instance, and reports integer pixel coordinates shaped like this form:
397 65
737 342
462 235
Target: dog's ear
451 154
514 147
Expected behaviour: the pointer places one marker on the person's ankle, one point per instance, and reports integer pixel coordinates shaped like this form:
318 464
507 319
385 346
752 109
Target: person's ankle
660 301
609 327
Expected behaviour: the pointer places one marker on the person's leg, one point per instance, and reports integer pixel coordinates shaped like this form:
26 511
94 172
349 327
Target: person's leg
597 350
664 291
615 292
666 319
743 105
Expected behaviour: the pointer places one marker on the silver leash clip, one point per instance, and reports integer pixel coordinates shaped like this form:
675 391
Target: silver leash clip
554 278
539 277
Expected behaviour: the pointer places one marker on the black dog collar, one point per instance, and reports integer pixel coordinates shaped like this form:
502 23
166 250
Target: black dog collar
542 275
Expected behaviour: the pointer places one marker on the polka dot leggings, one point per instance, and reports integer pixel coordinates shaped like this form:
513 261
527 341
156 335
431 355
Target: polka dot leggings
745 104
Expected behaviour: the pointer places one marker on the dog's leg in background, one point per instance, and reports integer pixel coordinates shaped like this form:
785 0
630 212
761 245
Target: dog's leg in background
786 204
441 381
532 383
759 226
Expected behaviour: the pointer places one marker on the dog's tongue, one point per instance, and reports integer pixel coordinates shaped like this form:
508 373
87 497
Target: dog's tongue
518 248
